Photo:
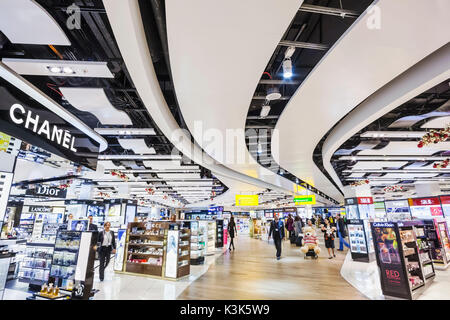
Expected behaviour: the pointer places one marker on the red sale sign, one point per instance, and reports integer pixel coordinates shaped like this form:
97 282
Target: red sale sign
365 200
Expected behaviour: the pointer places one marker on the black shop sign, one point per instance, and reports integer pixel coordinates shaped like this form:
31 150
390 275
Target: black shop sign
47 191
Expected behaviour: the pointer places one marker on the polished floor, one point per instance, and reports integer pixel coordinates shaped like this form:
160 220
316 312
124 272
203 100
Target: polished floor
252 272
249 272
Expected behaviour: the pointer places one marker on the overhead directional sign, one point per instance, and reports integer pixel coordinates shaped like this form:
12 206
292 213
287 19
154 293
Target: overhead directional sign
304 200
247 200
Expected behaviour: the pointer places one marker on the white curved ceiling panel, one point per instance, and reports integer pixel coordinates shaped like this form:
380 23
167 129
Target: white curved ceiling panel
406 148
437 123
108 164
360 63
25 21
200 34
378 164
125 19
137 145
95 101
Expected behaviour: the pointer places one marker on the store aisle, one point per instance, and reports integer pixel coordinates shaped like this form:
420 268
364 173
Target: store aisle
252 272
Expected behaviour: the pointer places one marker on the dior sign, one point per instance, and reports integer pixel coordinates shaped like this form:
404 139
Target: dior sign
47 191
20 116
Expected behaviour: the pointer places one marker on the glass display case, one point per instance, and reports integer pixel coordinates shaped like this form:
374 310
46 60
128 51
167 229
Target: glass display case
36 263
360 237
65 259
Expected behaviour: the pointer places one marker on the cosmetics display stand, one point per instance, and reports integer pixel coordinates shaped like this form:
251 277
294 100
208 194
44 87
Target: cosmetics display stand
157 249
404 258
146 247
35 266
198 241
219 233
436 232
211 239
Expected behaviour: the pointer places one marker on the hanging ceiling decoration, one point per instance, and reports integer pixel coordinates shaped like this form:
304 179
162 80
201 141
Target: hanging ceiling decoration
434 136
441 164
394 188
359 183
119 174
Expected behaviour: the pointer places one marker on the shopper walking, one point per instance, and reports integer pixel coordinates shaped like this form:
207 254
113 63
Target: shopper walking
277 231
298 227
106 245
232 231
92 226
340 226
290 227
328 231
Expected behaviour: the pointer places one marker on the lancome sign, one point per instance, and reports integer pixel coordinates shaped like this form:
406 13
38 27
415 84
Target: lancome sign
42 127
47 191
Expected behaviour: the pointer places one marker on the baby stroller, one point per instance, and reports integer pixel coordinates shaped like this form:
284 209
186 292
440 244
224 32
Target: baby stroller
311 254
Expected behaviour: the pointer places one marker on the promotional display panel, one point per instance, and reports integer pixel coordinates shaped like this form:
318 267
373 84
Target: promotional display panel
172 254
392 269
397 210
120 250
425 208
361 246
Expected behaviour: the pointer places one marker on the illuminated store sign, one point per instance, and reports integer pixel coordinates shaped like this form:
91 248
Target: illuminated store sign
20 116
365 200
246 200
424 202
46 191
304 200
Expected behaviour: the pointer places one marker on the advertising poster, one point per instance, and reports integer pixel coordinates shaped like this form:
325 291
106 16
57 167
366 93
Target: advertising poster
172 254
78 225
120 251
357 238
393 280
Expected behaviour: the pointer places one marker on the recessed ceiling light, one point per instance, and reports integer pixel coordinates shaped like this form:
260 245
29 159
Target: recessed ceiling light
68 70
54 69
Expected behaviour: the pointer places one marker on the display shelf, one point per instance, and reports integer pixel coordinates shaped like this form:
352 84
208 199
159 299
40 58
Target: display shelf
406 267
147 263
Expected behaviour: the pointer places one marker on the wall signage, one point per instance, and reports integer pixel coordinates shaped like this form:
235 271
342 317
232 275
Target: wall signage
424 201
365 200
40 209
247 200
305 200
445 199
47 191
20 116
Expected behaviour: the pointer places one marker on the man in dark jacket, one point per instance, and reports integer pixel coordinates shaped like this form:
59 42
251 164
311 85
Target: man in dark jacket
340 226
106 245
277 230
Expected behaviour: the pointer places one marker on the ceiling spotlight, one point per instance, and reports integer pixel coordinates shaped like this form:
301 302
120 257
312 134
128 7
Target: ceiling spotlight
353 158
375 135
68 70
54 69
264 111
287 68
273 93
259 150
